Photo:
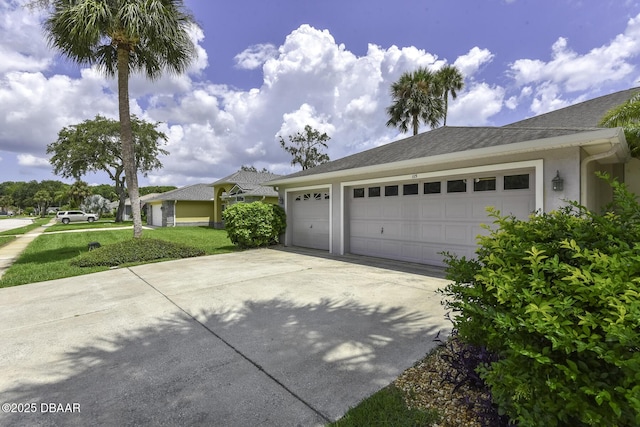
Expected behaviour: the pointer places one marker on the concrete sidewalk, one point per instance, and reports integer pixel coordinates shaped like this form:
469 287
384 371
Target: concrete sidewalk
12 250
263 337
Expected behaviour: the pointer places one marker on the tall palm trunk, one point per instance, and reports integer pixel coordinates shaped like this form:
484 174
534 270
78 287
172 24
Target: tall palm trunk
126 139
446 107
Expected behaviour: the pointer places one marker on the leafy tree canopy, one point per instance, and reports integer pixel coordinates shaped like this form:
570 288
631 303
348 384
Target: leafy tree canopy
422 96
627 116
95 145
306 147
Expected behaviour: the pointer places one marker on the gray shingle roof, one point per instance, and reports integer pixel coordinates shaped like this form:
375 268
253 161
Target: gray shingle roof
195 192
439 141
583 114
251 182
247 177
574 119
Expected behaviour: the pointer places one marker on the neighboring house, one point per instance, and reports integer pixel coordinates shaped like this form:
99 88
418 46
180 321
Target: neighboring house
192 205
127 214
242 186
415 198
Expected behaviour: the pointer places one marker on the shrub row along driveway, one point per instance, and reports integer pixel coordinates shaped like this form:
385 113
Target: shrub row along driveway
262 337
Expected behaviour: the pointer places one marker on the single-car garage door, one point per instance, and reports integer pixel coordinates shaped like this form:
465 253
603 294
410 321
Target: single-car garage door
310 219
416 221
156 214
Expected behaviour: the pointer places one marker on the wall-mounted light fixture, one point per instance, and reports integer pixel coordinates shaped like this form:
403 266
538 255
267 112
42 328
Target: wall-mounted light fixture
558 182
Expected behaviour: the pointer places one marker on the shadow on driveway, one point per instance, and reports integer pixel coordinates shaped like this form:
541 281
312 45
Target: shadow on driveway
271 362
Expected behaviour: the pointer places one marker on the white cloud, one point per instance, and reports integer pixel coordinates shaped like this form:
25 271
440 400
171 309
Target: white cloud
20 47
255 56
476 105
33 161
212 129
573 72
470 63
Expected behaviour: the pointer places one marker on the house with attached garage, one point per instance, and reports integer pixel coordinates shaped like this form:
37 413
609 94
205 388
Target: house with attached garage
414 198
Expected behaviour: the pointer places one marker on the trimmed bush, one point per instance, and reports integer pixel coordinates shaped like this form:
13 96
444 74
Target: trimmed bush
133 251
251 225
557 299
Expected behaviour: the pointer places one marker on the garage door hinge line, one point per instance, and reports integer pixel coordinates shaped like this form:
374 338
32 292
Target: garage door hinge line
228 344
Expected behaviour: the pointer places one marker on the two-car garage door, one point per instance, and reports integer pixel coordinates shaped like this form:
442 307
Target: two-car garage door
416 221
413 220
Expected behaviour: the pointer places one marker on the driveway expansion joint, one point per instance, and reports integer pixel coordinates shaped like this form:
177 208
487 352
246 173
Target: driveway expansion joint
236 350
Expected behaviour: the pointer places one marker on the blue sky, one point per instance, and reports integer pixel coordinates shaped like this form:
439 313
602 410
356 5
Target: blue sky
265 69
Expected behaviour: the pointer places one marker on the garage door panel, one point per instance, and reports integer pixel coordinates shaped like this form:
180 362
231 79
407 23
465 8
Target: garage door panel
411 252
419 227
310 219
520 206
433 209
456 233
479 207
411 210
391 211
431 232
456 209
411 231
391 230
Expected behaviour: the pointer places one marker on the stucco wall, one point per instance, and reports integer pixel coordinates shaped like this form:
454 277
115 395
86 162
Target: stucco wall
632 175
194 212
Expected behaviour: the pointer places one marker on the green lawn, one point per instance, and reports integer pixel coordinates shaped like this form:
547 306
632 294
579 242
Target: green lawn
48 256
6 239
101 223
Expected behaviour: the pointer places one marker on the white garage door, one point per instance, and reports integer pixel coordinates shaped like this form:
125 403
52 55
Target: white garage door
416 221
156 214
310 219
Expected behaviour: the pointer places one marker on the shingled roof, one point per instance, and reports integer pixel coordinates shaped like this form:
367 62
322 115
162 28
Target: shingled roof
582 117
251 182
583 114
195 192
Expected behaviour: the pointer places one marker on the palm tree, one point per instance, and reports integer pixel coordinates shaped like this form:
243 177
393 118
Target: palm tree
416 98
121 37
450 81
627 116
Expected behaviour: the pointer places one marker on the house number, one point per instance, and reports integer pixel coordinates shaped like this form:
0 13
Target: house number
415 175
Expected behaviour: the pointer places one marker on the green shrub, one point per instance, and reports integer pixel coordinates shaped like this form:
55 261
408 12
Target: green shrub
251 225
557 298
134 251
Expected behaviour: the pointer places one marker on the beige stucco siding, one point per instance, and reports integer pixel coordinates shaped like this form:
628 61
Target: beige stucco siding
194 212
632 175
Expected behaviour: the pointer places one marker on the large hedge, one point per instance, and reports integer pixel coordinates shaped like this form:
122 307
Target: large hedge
557 299
251 225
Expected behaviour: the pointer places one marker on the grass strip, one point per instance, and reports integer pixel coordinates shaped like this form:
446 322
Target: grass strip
49 256
386 408
6 239
58 226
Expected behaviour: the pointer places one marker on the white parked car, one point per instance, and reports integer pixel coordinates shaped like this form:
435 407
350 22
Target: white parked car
66 217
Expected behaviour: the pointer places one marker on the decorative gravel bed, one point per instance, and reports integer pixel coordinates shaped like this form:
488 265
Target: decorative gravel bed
429 385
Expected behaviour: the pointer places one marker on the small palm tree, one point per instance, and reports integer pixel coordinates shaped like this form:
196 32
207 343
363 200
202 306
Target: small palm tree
450 81
626 116
416 98
121 37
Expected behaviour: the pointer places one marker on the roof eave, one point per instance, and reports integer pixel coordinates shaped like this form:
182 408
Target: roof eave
589 140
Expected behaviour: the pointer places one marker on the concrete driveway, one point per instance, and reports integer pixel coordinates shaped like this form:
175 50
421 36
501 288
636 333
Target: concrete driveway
258 338
11 223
